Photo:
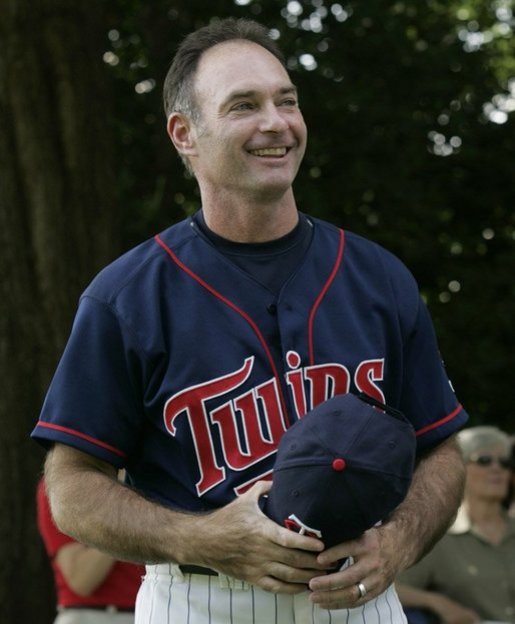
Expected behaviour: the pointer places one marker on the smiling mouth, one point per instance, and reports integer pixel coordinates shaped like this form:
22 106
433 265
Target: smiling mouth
275 152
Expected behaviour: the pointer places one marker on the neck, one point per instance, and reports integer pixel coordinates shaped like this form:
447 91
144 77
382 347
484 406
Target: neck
250 220
481 510
488 518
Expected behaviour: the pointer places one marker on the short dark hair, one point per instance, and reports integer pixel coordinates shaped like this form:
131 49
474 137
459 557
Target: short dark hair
178 92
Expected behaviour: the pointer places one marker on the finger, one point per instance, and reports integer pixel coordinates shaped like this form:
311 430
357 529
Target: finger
344 597
293 575
352 548
292 558
292 540
347 579
338 594
277 586
283 536
278 534
259 489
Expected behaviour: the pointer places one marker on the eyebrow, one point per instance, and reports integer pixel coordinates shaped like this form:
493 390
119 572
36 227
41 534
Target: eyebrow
235 95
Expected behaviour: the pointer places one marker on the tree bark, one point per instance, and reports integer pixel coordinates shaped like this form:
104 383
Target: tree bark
58 225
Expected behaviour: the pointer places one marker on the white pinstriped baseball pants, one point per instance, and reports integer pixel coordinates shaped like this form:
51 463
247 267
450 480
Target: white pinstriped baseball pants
167 596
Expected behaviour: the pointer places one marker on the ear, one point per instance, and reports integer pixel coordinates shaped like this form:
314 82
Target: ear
181 132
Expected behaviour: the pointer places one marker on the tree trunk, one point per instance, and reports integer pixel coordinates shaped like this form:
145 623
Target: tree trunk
57 227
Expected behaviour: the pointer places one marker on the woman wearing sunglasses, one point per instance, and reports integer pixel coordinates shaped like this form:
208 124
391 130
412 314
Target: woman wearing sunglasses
469 576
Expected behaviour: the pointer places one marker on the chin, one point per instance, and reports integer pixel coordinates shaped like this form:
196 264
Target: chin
271 193
275 184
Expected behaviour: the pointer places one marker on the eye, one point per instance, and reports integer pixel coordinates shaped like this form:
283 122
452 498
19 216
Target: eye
242 106
289 102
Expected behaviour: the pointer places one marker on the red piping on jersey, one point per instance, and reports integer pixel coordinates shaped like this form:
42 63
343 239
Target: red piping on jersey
234 307
83 436
318 301
440 422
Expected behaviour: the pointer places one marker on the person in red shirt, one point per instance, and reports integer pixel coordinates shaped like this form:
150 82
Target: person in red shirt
91 586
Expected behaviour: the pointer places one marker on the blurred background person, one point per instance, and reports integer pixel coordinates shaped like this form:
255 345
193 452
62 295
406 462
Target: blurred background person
91 586
469 576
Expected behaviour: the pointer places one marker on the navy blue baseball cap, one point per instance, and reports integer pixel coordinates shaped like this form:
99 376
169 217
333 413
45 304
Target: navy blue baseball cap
341 469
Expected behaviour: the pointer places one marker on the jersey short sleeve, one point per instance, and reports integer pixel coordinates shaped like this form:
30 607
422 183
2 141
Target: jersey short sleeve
93 400
427 391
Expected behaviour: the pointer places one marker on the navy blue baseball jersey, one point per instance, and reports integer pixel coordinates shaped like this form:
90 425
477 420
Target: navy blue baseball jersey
185 370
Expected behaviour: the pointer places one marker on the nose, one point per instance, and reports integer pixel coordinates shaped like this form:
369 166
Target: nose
272 119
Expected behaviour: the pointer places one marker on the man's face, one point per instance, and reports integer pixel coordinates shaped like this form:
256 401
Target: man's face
251 136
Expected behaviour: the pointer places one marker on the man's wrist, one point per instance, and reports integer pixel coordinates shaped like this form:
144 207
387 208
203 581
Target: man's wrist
403 545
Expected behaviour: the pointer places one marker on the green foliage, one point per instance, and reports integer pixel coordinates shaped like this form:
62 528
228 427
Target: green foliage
411 144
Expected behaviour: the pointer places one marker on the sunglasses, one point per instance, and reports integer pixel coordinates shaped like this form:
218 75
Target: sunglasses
488 460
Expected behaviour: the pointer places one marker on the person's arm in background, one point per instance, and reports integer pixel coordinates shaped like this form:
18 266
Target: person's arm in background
415 526
89 503
447 610
84 569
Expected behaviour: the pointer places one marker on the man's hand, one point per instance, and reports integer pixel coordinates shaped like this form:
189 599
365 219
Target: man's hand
376 563
382 552
241 541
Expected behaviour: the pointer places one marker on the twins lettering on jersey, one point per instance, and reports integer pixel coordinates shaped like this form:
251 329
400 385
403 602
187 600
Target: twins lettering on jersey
251 425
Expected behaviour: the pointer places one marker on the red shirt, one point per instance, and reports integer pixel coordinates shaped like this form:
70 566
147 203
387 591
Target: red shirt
120 586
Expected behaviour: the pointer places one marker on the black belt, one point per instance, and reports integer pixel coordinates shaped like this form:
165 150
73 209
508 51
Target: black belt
195 569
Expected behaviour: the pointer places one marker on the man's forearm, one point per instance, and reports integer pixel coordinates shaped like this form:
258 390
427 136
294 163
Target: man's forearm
431 503
90 504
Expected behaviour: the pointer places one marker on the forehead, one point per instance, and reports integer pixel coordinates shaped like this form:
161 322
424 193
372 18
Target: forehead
238 65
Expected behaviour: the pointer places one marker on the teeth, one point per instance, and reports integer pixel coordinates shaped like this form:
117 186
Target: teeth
270 151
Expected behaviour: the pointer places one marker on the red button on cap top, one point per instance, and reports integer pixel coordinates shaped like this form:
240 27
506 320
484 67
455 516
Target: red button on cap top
339 464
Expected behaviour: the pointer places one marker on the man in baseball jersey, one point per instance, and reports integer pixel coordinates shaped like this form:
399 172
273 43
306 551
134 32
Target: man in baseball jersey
193 353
